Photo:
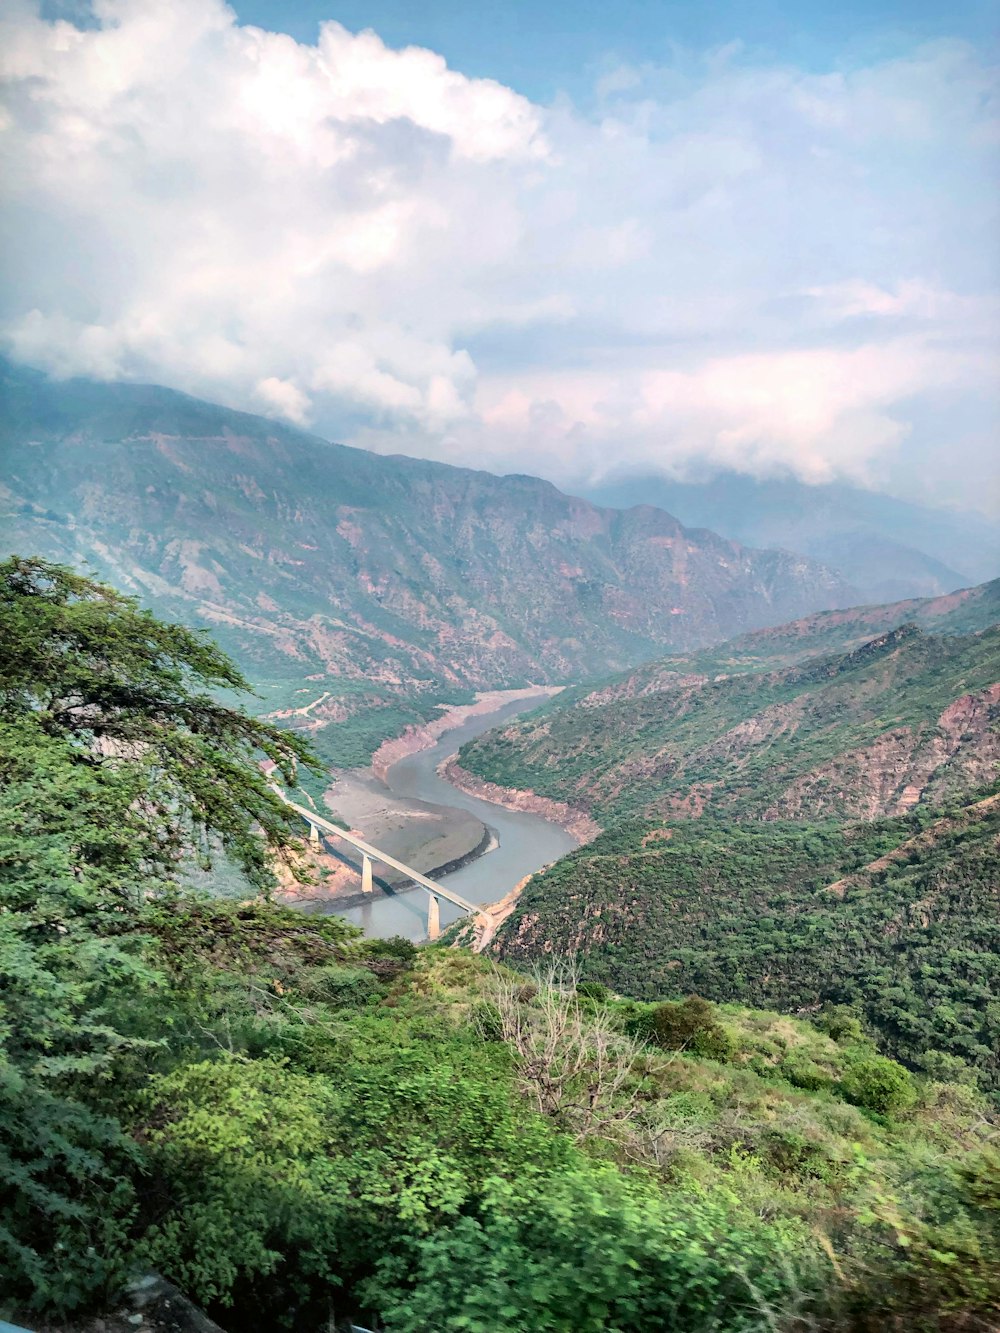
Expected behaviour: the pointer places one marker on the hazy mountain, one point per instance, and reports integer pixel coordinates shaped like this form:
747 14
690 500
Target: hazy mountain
886 548
344 580
961 612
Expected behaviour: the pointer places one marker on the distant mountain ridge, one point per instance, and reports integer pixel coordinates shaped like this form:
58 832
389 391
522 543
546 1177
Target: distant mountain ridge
965 611
887 548
344 580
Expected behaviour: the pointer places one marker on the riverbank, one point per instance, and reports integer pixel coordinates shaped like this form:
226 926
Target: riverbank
417 738
577 824
435 837
525 841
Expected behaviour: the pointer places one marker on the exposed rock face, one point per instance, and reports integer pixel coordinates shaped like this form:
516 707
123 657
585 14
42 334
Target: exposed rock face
575 822
905 766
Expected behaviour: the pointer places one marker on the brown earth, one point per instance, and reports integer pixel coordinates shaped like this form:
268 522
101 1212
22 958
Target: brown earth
574 822
415 739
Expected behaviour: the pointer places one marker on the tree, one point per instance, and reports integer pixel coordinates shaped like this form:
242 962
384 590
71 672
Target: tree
91 682
115 760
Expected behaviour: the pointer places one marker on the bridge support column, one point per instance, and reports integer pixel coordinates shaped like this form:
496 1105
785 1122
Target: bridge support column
366 874
314 834
433 917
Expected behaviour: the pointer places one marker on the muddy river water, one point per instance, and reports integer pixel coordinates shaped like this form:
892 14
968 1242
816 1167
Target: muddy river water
526 842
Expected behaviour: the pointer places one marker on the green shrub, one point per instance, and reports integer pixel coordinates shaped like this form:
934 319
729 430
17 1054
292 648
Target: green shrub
593 990
486 1020
396 946
841 1023
876 1083
804 1073
687 1025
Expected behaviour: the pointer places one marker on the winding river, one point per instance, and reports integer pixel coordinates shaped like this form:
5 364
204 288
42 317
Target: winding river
526 842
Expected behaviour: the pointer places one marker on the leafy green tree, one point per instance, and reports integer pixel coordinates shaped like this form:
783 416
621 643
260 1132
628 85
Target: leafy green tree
115 759
879 1084
131 699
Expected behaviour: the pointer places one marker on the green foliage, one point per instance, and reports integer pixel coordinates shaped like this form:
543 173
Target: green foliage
114 758
591 1252
908 951
298 1125
688 1025
878 1085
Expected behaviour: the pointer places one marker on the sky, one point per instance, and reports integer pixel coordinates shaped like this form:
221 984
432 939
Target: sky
568 239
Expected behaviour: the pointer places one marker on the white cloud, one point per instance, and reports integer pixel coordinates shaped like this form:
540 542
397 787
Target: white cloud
727 262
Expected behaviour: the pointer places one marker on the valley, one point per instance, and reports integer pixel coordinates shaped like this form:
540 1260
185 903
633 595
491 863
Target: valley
499 667
410 810
358 591
802 831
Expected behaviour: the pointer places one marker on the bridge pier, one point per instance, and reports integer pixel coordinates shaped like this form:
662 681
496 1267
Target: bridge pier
435 892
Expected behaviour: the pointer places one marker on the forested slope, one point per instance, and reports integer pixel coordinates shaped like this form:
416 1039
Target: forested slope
899 919
741 807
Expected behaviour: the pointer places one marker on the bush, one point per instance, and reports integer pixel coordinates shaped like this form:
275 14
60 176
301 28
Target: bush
687 1025
878 1084
393 947
841 1023
593 990
348 987
804 1073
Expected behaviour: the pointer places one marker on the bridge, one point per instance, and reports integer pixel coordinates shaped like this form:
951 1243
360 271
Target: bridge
435 891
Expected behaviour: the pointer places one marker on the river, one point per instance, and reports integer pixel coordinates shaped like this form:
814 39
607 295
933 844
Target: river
526 842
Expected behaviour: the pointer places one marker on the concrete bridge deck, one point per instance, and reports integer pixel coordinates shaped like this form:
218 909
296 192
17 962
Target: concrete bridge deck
370 853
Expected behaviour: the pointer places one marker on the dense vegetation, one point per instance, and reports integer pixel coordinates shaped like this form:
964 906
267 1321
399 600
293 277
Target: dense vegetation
297 1125
792 917
742 806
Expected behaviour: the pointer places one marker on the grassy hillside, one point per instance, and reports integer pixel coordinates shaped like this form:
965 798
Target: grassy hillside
899 919
907 717
301 1128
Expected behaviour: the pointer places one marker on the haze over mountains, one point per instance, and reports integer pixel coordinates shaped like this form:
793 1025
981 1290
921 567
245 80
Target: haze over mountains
400 578
887 548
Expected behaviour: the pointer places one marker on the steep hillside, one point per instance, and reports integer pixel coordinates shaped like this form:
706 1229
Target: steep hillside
899 919
887 548
344 581
907 718
963 612
305 1130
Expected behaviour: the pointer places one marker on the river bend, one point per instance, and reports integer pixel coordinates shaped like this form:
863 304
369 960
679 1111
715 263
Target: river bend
526 841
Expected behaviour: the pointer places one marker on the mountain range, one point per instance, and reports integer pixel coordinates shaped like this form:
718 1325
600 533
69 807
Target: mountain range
357 588
888 549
